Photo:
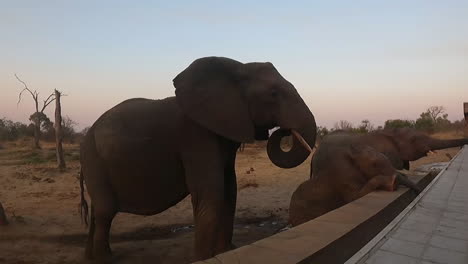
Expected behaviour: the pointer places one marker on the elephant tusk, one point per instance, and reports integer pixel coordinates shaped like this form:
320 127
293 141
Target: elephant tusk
302 140
430 152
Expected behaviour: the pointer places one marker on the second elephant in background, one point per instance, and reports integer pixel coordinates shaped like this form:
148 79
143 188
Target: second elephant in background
399 145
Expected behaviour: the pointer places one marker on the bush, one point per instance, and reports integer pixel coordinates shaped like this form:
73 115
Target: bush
399 123
10 131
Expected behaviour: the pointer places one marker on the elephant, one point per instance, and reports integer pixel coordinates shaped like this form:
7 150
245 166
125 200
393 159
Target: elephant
3 219
144 156
345 171
400 145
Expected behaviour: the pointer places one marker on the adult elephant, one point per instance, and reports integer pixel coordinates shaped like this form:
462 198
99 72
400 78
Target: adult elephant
400 145
3 219
144 156
346 170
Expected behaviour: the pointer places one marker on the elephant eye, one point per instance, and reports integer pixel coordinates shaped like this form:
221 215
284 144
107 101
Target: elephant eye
274 92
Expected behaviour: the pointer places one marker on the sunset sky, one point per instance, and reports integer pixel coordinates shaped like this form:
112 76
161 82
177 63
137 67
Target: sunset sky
349 60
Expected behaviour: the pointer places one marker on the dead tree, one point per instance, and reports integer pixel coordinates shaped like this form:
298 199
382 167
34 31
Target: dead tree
58 131
3 220
435 111
36 117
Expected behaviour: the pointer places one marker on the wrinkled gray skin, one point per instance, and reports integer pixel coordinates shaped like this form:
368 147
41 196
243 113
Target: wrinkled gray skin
400 145
144 156
3 219
345 172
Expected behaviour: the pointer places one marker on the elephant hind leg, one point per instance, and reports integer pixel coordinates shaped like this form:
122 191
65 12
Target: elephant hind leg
90 241
104 207
104 210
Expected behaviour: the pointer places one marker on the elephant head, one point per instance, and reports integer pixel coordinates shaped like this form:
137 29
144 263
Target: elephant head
242 101
413 144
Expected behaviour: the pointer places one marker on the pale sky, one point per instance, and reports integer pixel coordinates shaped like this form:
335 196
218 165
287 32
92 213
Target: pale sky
349 60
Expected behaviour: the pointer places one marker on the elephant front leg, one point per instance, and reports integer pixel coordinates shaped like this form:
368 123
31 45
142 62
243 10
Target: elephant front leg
213 225
378 182
230 187
213 207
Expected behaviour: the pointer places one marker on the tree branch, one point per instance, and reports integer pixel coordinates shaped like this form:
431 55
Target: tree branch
33 94
47 102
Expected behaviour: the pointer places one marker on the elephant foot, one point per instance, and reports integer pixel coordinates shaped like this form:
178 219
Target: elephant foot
3 220
89 254
390 184
232 246
103 259
102 255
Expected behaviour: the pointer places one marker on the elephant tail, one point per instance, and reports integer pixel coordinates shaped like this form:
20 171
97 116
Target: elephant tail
84 212
241 147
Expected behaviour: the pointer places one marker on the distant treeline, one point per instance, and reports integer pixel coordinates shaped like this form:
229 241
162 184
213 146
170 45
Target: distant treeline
434 119
10 130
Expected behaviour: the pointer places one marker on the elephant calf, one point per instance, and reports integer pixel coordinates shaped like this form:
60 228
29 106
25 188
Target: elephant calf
343 171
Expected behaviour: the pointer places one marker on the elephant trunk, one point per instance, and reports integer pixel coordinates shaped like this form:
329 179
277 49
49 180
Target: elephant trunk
437 144
303 142
402 179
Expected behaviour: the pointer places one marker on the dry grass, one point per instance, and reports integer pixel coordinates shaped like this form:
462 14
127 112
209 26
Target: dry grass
449 134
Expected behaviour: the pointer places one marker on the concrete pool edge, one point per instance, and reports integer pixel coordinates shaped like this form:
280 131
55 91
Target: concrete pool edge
365 251
332 238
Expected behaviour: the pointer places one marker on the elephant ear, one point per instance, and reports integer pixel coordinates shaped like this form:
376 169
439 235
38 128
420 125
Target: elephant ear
397 159
209 92
355 152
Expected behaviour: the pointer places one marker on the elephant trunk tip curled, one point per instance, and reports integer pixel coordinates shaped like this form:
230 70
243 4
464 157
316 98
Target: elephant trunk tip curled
298 153
301 140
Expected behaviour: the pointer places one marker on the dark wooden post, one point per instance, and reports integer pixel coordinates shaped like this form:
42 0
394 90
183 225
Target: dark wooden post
37 131
3 220
58 131
465 112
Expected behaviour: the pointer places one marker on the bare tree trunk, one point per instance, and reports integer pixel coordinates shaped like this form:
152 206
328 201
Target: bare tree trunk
37 131
58 131
3 220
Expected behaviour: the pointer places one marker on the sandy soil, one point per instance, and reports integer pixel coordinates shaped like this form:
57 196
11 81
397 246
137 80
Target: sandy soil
45 227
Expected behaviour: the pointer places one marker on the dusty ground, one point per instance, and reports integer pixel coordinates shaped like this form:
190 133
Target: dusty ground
42 206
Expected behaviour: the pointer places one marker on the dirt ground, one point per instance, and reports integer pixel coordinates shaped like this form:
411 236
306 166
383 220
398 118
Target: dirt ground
41 204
